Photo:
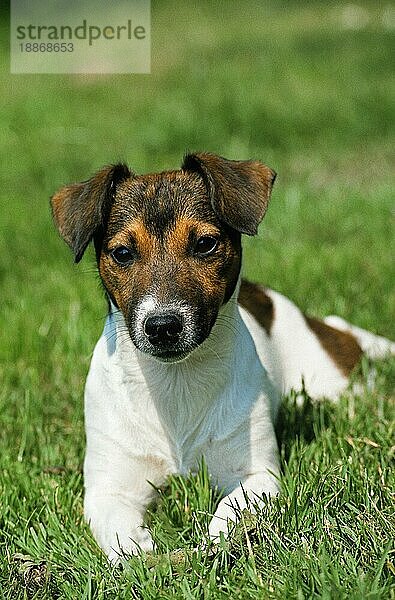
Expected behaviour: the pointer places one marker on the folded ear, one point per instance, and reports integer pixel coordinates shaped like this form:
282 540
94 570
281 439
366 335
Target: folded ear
80 210
239 190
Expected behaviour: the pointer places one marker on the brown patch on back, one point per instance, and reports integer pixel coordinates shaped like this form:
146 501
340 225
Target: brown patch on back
253 298
341 346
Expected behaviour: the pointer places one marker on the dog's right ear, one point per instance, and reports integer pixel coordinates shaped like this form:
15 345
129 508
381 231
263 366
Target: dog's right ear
80 210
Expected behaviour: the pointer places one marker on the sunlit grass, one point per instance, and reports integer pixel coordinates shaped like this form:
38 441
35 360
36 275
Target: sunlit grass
293 85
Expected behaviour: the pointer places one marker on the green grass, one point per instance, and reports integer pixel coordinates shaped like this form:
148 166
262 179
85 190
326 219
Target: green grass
283 82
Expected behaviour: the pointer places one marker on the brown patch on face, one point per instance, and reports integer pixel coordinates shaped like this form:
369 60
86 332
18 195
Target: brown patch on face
136 235
113 280
179 245
120 282
162 216
253 298
341 346
179 235
160 219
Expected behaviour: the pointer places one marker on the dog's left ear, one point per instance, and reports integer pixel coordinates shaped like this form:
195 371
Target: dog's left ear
80 210
239 190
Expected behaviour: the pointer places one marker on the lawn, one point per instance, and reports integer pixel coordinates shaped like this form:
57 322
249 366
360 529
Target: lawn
307 88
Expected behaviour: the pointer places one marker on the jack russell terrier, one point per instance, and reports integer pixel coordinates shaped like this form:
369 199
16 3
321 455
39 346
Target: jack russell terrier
193 361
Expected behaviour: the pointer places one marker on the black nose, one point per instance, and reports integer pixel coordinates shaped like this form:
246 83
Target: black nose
163 329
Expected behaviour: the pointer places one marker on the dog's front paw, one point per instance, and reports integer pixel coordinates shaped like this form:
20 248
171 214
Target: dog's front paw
117 527
223 520
127 544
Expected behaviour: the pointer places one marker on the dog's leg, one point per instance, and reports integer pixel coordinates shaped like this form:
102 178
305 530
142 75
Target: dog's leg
124 458
245 464
117 493
251 489
117 524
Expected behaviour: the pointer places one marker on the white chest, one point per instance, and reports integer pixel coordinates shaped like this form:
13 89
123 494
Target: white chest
178 413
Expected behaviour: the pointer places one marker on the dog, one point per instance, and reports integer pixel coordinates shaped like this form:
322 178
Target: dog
193 360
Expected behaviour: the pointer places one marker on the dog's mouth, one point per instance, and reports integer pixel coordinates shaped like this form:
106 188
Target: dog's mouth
171 356
168 354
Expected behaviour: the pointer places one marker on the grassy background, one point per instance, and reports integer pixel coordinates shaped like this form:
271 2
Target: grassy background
307 88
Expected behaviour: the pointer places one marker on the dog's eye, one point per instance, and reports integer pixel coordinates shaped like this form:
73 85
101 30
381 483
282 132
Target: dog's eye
206 245
122 255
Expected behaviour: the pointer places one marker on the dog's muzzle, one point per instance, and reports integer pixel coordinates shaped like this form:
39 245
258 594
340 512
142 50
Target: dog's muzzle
167 332
164 336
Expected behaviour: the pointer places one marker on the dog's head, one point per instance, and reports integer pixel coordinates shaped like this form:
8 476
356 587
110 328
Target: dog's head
167 245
